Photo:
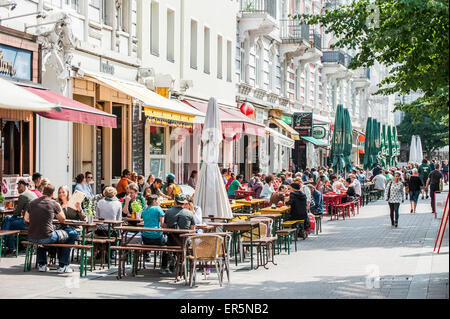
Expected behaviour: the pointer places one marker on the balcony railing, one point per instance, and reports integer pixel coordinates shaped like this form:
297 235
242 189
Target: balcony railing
317 41
334 56
259 6
292 30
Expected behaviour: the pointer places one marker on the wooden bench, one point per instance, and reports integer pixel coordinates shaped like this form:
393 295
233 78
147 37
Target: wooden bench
29 254
286 235
9 233
178 250
100 244
294 223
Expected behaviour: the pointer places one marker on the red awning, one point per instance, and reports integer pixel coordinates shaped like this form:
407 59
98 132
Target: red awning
73 111
233 121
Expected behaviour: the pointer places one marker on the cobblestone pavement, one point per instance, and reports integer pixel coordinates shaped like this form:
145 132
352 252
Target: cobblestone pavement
361 257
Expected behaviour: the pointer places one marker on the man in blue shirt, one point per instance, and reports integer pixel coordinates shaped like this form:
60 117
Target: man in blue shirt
317 208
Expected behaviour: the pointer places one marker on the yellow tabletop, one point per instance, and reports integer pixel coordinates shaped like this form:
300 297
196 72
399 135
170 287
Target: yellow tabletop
167 202
268 210
236 206
254 201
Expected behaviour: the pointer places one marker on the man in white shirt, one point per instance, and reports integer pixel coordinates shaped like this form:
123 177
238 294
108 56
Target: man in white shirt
356 184
380 182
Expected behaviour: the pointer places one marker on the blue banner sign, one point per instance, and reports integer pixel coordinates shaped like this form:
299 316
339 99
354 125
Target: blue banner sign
15 63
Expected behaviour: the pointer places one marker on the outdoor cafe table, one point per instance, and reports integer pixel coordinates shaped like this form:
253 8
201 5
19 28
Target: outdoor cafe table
277 210
243 193
240 227
236 207
167 202
86 227
213 218
275 217
173 232
331 200
254 204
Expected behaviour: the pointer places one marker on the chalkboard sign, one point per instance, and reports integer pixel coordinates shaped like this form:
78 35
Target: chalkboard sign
138 142
99 167
303 123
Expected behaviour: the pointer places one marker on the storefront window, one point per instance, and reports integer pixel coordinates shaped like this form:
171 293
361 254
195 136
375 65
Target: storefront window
157 140
157 166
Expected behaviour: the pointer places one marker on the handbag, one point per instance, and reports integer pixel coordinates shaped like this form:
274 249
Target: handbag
389 191
407 189
63 236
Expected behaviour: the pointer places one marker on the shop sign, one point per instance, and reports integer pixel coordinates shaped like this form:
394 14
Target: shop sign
15 62
303 123
9 185
319 132
287 119
105 67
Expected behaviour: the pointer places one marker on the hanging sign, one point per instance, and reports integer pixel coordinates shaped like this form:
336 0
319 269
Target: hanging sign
302 122
15 62
319 132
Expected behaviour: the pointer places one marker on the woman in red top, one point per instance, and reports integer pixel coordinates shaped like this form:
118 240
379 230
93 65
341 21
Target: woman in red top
123 183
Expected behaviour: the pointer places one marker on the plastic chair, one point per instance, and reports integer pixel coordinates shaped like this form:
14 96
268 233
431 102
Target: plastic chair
205 248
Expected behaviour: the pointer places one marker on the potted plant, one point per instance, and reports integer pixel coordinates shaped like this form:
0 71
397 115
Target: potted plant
2 200
136 207
89 207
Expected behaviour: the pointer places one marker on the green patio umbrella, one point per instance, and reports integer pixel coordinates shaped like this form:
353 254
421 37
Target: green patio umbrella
377 140
373 148
367 158
348 140
337 143
390 144
383 146
396 145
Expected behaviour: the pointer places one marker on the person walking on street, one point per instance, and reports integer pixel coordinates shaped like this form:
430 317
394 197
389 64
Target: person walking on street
394 195
414 185
435 183
424 171
445 171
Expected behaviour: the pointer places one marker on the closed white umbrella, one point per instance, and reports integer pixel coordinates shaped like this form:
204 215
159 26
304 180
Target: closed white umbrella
210 193
413 150
13 97
419 151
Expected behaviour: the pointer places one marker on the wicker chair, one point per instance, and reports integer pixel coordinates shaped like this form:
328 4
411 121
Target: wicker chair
257 234
205 248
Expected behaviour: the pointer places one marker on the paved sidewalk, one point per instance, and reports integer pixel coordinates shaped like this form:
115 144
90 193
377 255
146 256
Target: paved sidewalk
361 257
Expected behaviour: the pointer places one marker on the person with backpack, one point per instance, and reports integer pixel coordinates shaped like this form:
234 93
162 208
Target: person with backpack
435 182
395 195
424 171
171 188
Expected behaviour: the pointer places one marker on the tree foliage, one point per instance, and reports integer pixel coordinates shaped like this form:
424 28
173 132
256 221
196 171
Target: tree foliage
410 37
433 134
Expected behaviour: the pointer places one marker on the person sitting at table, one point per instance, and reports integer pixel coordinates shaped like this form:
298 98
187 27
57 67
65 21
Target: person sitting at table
224 178
132 196
171 189
230 180
317 207
155 189
149 181
141 183
40 217
278 196
326 187
177 217
234 186
153 217
350 192
298 203
108 208
36 178
44 182
268 189
192 181
196 210
123 183
63 200
16 221
82 185
257 187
